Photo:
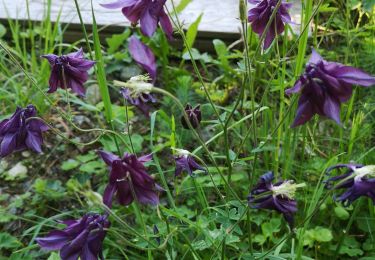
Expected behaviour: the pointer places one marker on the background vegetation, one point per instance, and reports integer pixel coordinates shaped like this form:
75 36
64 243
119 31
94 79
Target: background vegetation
194 222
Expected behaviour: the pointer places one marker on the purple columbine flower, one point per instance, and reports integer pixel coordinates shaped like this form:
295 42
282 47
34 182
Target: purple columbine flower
69 71
82 238
143 56
124 172
358 181
186 162
261 14
19 132
148 12
194 115
278 196
137 92
324 86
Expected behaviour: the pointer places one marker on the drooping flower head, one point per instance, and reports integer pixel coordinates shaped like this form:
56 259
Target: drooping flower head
129 173
69 71
81 238
324 86
143 56
137 91
278 196
358 181
194 115
259 16
186 162
19 132
148 12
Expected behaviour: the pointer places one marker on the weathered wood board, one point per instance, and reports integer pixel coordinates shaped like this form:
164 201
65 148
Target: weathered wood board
220 17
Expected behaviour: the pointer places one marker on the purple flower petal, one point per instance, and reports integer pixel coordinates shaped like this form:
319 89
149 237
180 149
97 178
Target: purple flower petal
143 56
119 4
108 157
55 240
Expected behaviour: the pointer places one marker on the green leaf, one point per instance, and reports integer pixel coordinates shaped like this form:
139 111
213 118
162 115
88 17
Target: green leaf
260 239
69 165
271 227
54 256
116 41
8 241
192 32
3 30
182 5
100 71
351 247
87 157
368 5
92 167
322 234
222 52
342 213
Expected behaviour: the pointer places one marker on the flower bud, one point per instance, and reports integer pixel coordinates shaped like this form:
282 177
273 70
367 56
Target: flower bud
243 11
194 115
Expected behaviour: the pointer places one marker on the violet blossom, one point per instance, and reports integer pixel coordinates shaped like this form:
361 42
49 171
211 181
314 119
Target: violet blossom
143 55
19 132
186 162
324 86
259 16
148 12
194 115
81 238
127 175
358 181
278 196
69 71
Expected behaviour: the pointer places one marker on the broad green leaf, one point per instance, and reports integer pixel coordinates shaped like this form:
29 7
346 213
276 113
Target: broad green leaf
3 30
341 213
271 227
8 241
69 165
116 41
91 167
322 234
192 32
182 5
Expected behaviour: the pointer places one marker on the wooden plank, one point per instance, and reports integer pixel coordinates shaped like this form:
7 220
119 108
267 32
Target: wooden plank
220 17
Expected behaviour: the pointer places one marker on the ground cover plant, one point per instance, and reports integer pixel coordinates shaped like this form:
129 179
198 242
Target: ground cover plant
134 149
